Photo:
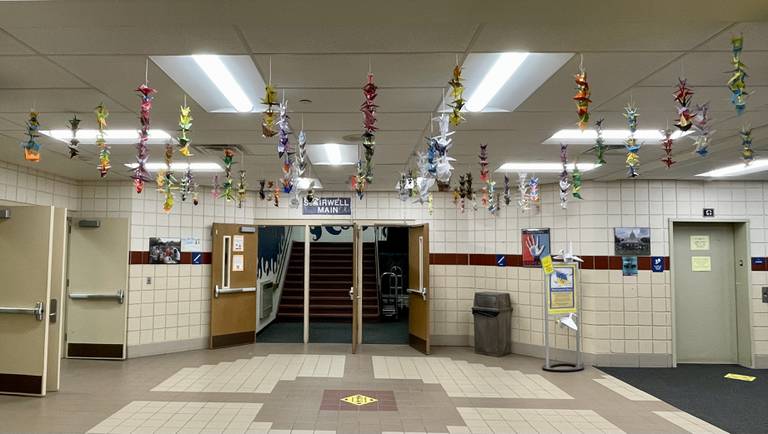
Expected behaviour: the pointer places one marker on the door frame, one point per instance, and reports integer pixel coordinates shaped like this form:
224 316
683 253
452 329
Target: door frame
673 265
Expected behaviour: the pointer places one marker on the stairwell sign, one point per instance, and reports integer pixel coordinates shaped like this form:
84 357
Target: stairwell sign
328 206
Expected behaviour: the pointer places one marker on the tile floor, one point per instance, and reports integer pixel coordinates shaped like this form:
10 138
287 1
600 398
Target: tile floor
280 388
628 391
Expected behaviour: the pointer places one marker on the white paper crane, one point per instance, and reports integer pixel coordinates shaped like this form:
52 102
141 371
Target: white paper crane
566 255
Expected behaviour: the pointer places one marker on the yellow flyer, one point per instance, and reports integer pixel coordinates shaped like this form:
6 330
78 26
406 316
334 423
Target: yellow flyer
561 289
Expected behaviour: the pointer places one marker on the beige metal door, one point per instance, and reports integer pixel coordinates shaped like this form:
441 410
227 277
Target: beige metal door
418 288
705 293
56 305
357 285
26 240
97 302
233 284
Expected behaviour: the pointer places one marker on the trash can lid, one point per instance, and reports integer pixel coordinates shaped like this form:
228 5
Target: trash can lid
497 300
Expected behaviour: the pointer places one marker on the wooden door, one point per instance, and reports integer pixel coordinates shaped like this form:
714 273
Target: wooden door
25 288
233 284
97 294
418 287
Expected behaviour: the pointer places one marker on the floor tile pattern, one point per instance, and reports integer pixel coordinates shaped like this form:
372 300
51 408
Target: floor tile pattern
255 375
689 423
181 417
468 380
624 389
531 420
333 400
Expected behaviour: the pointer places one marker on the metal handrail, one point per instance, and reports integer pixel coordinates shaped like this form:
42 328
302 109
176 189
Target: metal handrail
38 311
219 291
119 296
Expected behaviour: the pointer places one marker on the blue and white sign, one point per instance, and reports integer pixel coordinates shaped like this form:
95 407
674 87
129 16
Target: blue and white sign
328 206
197 258
501 260
657 264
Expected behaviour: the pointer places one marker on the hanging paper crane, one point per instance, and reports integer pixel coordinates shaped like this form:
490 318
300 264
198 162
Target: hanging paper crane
140 173
747 154
368 108
576 181
31 145
737 83
185 124
457 93
227 189
565 183
166 181
523 186
582 98
600 142
268 119
666 144
74 144
631 145
104 151
683 96
702 131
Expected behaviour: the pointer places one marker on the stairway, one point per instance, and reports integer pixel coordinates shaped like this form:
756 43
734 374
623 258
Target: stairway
329 282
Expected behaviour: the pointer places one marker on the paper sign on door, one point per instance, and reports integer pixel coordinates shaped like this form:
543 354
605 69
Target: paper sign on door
237 262
238 243
701 263
699 242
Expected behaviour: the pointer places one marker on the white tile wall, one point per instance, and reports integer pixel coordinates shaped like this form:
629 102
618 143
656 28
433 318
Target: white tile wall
622 315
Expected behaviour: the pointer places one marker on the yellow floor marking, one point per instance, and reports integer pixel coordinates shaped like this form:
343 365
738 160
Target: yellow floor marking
359 400
740 377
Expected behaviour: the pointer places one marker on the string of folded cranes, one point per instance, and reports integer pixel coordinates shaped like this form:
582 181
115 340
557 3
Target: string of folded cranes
433 164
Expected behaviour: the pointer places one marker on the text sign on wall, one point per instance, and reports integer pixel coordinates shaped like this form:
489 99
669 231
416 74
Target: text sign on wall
328 206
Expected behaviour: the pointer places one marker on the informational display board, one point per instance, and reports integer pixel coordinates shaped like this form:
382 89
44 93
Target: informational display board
561 289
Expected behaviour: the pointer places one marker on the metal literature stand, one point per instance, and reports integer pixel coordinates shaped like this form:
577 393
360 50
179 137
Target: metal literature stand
570 321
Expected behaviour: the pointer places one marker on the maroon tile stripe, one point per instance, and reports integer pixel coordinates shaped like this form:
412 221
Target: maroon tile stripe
590 262
186 258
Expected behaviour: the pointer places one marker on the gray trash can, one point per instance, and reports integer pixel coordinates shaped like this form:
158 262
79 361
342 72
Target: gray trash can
493 323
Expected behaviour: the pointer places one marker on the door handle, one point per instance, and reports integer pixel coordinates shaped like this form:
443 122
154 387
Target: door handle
53 308
352 293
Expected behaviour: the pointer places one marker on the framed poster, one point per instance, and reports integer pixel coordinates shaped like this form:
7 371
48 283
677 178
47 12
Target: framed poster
561 289
164 250
535 246
632 241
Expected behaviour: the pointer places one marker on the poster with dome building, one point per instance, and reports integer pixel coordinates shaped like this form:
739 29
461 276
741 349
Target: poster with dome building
632 241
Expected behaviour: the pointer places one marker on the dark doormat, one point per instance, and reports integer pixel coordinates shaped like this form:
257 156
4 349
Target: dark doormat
701 390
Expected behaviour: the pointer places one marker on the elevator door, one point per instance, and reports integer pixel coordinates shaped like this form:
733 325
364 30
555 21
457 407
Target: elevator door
97 294
25 266
705 293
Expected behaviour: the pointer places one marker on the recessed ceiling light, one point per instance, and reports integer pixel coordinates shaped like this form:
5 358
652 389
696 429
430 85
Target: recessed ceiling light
222 78
737 169
544 167
113 137
610 137
179 166
332 154
494 80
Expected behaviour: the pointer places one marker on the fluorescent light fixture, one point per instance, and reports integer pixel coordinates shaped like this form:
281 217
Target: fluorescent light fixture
737 169
218 83
113 137
179 167
544 167
220 76
305 183
495 79
610 137
333 152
